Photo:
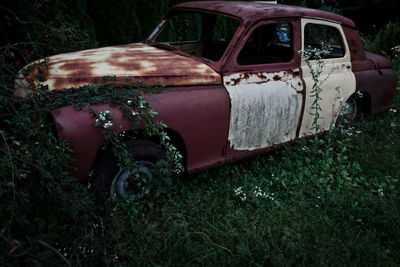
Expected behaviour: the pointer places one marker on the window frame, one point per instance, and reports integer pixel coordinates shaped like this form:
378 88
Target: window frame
251 35
216 65
295 23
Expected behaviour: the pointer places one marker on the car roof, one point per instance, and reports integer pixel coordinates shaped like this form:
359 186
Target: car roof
252 11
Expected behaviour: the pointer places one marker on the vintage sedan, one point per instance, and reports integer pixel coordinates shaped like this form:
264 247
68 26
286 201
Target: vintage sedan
235 84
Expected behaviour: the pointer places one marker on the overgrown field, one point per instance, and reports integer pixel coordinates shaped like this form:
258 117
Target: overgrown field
332 200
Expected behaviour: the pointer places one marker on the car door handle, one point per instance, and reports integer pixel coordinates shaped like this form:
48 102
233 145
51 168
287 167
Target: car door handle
346 66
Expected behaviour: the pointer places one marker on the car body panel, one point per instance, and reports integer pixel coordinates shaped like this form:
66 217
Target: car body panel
201 121
380 87
128 63
267 99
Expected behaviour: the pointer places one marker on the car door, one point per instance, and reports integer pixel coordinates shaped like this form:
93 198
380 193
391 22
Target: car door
338 80
264 83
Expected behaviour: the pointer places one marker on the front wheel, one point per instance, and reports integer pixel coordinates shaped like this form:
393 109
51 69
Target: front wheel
123 182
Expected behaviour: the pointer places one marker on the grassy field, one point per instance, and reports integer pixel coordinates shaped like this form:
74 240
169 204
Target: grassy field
329 201
332 200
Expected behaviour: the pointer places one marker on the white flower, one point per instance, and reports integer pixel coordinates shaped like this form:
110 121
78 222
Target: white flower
393 124
107 124
134 113
129 102
239 192
103 115
380 192
393 110
396 50
358 132
259 193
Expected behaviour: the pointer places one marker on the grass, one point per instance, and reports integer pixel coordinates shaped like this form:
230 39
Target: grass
329 201
332 200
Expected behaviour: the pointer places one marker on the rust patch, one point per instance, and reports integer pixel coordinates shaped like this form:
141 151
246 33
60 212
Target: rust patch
236 81
78 68
137 62
246 76
261 76
295 73
277 78
260 82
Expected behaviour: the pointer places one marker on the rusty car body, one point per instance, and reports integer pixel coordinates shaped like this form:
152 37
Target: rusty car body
226 97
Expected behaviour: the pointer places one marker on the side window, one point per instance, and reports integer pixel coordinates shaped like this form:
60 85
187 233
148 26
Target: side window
269 43
324 37
185 27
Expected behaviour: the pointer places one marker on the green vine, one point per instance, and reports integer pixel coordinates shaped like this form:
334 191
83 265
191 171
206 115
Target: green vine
130 99
314 59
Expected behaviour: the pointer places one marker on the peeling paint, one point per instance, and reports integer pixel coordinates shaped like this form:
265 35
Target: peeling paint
137 62
265 109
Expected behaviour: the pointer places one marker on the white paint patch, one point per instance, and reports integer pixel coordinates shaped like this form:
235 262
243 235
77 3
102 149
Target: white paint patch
265 108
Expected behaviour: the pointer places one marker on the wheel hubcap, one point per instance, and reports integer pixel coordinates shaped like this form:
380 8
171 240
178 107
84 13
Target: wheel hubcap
132 183
349 111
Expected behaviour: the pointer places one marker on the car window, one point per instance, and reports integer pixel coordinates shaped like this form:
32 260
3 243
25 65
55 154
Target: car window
269 43
324 37
201 34
183 27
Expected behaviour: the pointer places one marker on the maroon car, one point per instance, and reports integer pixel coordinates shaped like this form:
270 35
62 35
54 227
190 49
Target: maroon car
235 82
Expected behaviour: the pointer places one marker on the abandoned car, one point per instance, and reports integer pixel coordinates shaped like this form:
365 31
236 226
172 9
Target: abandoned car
235 83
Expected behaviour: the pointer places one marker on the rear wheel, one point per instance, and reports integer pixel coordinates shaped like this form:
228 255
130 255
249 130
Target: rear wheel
123 182
350 111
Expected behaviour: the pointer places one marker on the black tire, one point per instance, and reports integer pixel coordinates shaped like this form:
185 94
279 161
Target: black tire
350 111
112 180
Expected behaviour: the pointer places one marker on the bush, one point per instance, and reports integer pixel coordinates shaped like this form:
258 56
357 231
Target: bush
387 38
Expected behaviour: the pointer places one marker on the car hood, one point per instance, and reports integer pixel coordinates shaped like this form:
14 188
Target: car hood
132 62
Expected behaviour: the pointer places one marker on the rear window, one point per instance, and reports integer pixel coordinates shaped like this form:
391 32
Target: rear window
324 37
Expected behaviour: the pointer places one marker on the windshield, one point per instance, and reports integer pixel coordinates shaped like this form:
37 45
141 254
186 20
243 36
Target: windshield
202 34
